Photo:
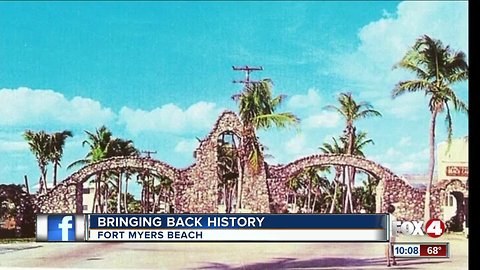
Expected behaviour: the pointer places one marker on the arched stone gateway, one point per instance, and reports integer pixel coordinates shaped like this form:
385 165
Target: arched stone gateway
196 187
441 192
66 197
408 200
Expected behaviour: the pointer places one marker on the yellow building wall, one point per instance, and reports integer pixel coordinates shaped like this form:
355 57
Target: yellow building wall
453 164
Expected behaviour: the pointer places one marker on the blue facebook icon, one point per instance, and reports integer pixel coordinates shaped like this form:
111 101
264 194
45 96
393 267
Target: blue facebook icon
61 228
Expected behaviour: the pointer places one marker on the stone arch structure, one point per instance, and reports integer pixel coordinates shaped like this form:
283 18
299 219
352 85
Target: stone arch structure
440 192
195 187
408 200
263 191
201 196
66 197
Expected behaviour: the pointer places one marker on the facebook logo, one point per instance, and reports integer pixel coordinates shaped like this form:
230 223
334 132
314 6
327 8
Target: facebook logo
60 228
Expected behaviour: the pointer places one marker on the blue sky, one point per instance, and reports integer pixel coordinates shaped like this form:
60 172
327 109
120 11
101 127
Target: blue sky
159 73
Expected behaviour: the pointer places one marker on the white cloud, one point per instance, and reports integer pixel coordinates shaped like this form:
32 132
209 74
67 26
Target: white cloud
325 119
13 146
311 99
406 167
296 145
385 41
402 160
413 19
186 146
410 106
24 106
405 141
170 118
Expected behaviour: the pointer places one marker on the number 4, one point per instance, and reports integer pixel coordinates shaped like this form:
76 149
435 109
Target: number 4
435 227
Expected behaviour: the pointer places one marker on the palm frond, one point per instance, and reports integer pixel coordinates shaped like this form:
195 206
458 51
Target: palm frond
411 86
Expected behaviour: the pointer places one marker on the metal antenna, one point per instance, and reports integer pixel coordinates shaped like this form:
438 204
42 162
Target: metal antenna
247 70
148 153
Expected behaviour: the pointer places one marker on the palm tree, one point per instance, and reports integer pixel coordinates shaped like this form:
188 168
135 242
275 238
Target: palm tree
352 111
162 188
335 148
257 108
100 144
122 148
39 143
437 68
294 184
314 182
360 141
57 143
146 179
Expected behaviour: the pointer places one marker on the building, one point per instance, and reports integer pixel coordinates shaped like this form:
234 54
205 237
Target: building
452 164
88 196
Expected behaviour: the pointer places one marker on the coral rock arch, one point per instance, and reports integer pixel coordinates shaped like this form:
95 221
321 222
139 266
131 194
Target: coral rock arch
397 191
66 197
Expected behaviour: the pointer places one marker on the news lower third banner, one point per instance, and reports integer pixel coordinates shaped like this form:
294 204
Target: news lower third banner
214 227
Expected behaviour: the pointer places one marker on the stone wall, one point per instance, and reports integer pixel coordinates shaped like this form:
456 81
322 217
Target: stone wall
66 197
264 191
440 192
409 201
195 187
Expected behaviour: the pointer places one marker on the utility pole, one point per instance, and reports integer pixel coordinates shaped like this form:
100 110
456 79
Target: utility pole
247 70
148 153
26 184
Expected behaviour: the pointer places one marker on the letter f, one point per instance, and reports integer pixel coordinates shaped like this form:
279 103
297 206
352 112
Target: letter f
65 226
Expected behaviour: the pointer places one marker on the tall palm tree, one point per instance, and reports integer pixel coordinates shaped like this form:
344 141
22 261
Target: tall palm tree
313 181
257 108
334 148
294 184
122 148
57 143
100 144
352 111
39 143
360 141
437 68
146 179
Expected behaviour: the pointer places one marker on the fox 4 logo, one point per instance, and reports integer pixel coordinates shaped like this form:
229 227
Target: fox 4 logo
433 228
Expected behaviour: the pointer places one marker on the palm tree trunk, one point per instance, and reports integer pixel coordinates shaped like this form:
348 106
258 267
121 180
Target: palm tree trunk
156 199
119 194
338 172
334 200
353 171
431 165
125 203
43 179
160 193
344 191
239 185
295 202
314 202
142 200
347 198
40 184
55 165
96 196
225 197
309 194
105 197
145 197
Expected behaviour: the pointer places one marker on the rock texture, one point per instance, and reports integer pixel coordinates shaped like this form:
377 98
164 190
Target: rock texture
195 187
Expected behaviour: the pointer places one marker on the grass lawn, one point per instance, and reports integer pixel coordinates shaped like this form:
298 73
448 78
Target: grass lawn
16 240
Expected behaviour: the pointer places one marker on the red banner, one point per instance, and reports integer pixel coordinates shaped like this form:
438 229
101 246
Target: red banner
457 171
